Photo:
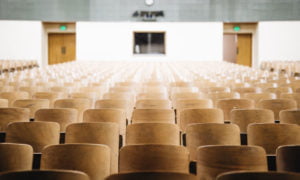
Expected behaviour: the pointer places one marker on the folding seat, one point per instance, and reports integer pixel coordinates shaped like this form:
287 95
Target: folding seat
80 104
276 105
251 175
62 116
45 175
152 133
121 89
7 88
227 105
244 117
92 159
294 96
176 90
84 95
181 84
193 103
265 85
153 104
203 134
151 95
153 115
8 115
3 103
32 104
279 90
106 115
218 89
288 158
36 134
98 90
122 104
244 90
205 115
213 160
271 136
32 89
222 95
290 116
96 133
120 95
154 158
12 96
15 157
152 176
185 96
51 96
61 89
259 96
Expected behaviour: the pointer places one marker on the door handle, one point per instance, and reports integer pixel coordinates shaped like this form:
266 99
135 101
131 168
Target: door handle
63 50
237 50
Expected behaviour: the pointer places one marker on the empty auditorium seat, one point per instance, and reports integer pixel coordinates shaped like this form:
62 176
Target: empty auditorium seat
80 104
276 105
211 134
290 116
32 104
260 96
36 134
152 176
215 96
153 104
62 116
294 96
244 117
154 158
3 103
251 175
152 133
12 96
51 96
288 158
125 105
92 159
15 157
153 115
96 133
271 136
45 175
216 159
8 115
227 105
106 115
208 115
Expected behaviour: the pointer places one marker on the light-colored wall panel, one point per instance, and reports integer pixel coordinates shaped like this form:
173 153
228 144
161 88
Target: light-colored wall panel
184 41
21 40
279 41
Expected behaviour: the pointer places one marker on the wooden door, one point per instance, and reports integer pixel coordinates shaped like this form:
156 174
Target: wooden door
61 48
244 49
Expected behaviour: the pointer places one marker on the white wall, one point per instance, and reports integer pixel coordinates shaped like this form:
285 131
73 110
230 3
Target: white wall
20 40
114 41
279 41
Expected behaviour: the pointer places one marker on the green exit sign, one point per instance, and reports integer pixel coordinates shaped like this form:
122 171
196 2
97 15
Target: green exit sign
236 28
63 27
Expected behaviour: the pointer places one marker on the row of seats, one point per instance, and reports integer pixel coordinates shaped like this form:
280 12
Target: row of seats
289 67
130 120
94 159
16 65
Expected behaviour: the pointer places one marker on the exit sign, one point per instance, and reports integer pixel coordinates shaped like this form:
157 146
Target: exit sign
63 27
236 28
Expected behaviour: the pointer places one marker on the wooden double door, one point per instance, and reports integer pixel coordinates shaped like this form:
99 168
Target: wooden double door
237 48
61 47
